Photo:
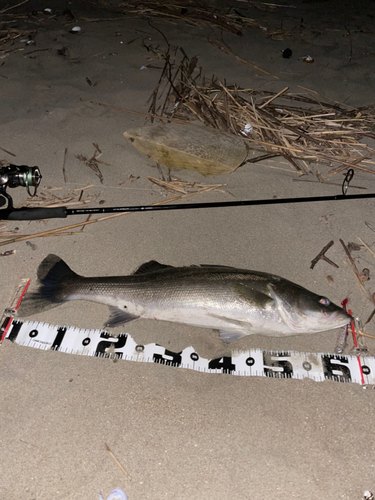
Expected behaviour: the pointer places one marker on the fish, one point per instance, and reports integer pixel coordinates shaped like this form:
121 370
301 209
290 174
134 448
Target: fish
237 302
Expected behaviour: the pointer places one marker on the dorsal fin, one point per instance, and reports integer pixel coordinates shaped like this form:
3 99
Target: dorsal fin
150 267
229 268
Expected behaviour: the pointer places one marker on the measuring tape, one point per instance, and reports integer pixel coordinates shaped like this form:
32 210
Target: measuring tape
254 362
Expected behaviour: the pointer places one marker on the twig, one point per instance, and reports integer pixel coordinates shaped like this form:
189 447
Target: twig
321 255
8 252
365 334
70 233
117 462
273 98
351 261
93 161
368 248
228 51
370 318
8 152
13 6
325 97
354 269
63 167
351 44
368 225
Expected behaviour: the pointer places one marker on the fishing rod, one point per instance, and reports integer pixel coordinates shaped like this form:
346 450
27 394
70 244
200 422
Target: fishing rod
14 176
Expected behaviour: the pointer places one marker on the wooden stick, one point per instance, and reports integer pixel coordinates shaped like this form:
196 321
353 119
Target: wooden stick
368 248
370 318
63 167
229 52
117 462
351 261
366 334
321 255
69 233
273 98
325 97
7 152
13 6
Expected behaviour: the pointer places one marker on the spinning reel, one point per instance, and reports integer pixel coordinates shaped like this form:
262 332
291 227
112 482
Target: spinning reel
14 176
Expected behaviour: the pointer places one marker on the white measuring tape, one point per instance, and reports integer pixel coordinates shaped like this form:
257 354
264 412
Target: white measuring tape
255 362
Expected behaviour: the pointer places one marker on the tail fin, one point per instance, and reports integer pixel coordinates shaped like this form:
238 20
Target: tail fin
54 277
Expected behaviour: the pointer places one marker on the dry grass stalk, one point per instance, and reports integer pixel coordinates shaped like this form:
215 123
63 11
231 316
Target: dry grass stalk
366 246
184 187
192 13
228 51
47 199
12 7
359 332
27 236
64 161
117 462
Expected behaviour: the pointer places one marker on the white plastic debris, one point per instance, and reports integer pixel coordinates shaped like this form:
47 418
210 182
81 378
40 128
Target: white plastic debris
75 29
308 59
117 494
143 67
367 495
48 11
247 129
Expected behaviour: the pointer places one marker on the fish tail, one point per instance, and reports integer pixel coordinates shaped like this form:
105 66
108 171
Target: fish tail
55 279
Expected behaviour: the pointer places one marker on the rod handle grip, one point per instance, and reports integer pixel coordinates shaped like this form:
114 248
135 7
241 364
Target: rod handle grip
36 213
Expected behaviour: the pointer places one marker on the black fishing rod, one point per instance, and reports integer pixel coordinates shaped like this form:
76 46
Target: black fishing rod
14 176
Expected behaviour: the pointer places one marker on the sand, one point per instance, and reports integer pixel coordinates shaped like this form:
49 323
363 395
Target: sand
179 434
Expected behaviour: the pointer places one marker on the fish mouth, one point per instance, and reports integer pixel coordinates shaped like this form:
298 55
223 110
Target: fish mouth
317 322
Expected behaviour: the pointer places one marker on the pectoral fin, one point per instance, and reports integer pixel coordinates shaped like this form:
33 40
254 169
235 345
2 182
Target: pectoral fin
252 296
119 317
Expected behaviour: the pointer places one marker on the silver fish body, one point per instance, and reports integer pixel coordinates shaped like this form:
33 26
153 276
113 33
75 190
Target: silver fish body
235 301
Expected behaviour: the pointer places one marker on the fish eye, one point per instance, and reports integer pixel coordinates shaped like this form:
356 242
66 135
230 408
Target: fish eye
324 301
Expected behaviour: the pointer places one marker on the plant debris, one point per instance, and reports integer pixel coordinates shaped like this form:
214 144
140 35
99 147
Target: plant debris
321 255
94 161
184 187
353 246
7 253
193 13
300 128
49 200
330 280
365 275
130 179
